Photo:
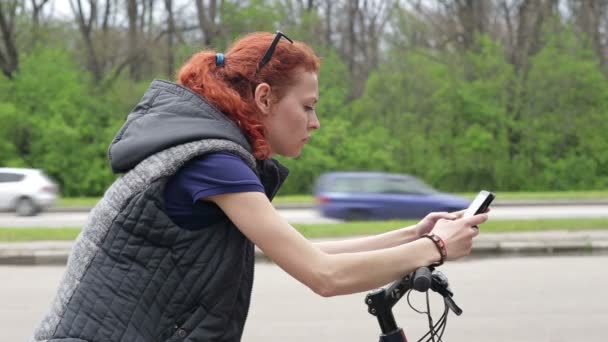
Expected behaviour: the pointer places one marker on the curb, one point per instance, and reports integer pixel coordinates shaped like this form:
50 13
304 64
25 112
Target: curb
57 252
307 205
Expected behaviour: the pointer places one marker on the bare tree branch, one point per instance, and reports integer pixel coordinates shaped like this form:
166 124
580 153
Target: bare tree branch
86 26
106 16
206 20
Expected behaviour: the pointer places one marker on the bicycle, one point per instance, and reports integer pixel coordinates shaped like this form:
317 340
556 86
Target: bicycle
381 301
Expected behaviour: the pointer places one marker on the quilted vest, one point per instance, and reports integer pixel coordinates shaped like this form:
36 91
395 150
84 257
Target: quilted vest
134 275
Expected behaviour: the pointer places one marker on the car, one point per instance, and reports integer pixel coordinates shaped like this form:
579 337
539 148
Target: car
354 196
26 191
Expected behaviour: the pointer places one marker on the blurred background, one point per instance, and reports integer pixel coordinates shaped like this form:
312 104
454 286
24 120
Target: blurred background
422 104
510 95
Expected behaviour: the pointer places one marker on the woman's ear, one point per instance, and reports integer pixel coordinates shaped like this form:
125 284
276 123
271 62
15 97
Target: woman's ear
262 97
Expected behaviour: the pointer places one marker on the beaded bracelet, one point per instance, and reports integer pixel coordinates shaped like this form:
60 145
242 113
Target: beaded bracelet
440 244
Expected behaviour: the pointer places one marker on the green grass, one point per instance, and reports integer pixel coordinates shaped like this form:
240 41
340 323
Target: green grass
366 228
294 199
66 202
37 234
338 230
546 195
542 195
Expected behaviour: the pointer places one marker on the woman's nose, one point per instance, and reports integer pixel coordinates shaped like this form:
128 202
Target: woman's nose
314 122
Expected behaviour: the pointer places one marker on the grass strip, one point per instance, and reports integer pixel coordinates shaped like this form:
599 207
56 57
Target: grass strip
68 202
366 228
37 234
341 229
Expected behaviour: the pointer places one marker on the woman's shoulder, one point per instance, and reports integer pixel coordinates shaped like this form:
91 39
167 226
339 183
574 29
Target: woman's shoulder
217 169
222 164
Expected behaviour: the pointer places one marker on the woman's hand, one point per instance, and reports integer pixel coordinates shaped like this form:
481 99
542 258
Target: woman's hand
458 234
428 222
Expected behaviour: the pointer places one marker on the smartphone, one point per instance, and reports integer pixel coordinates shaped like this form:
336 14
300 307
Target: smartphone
480 203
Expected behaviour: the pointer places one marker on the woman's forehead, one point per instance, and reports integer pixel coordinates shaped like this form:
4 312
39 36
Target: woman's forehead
307 85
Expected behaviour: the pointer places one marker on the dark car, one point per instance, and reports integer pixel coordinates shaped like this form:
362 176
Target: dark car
380 196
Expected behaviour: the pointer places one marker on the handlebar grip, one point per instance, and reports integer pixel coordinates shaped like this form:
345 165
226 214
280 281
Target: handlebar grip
422 279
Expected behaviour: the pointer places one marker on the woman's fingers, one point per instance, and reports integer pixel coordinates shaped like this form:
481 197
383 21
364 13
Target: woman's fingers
459 213
436 216
475 220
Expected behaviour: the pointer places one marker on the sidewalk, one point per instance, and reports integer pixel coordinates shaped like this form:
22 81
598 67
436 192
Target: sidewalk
485 245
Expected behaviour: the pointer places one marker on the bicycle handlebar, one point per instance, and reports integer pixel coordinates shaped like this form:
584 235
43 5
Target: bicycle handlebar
381 301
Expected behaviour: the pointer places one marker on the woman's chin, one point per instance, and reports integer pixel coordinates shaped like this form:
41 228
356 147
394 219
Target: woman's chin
292 154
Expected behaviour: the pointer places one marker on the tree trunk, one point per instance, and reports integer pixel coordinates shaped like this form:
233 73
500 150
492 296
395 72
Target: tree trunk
36 10
473 18
170 35
9 58
590 14
206 20
86 27
353 9
328 28
133 48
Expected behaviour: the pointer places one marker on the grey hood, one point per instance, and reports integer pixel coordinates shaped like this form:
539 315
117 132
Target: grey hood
168 115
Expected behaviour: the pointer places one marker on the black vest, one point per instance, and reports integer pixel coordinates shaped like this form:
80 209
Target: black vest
133 274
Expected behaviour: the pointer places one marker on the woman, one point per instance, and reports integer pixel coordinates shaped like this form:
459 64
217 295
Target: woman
168 253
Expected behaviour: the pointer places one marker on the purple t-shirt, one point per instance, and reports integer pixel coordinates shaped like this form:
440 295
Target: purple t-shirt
211 174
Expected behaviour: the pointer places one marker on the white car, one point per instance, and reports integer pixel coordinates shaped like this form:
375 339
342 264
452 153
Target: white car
26 191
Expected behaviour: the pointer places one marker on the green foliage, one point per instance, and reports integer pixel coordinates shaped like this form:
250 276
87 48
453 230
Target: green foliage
566 113
9 131
469 121
255 15
460 120
59 123
326 230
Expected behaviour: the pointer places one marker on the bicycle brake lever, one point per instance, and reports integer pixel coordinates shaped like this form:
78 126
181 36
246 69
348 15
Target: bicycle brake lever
441 286
452 305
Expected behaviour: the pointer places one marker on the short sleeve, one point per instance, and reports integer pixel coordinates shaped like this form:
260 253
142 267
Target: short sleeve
215 174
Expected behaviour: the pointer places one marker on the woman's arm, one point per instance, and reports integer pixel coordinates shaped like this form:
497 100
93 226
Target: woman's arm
389 239
369 243
327 274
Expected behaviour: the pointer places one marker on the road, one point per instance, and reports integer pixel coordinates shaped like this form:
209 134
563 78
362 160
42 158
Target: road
528 299
77 219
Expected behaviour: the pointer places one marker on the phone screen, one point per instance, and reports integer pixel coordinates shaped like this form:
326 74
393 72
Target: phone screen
480 203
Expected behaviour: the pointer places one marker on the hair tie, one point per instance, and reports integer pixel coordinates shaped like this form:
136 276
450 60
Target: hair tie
219 59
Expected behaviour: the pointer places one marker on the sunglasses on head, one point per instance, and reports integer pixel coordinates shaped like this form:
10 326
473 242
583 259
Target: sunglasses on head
271 49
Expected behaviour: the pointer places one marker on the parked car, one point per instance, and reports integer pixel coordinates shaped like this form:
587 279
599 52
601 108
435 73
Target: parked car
380 196
26 191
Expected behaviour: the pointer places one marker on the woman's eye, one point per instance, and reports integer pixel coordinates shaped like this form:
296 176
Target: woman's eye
308 108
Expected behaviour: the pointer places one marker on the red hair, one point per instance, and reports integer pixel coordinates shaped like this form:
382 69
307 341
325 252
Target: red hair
230 87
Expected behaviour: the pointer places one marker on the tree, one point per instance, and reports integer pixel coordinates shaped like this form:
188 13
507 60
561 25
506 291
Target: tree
170 35
37 7
590 17
9 55
207 16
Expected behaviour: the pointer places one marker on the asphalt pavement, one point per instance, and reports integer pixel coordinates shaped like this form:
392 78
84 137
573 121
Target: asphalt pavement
528 299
